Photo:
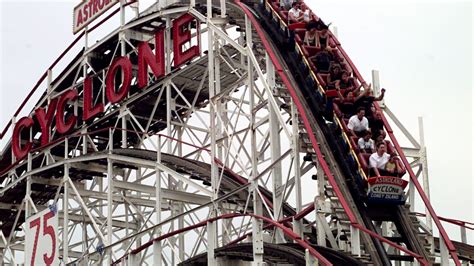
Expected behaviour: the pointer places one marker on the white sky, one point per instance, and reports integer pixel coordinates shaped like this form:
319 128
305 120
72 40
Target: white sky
423 50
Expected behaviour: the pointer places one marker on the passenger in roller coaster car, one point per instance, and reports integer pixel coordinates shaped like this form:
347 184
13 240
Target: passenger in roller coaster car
311 34
367 100
322 60
335 74
378 161
358 123
376 124
346 102
307 14
286 4
393 166
380 138
295 14
346 83
366 144
322 41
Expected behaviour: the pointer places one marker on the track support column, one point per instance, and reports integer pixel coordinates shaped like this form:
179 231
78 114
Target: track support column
65 205
298 225
257 225
355 241
275 147
109 199
444 252
212 226
426 182
310 260
320 212
157 256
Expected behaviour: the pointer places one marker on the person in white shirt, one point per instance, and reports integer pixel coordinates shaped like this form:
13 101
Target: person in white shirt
366 143
286 4
358 123
307 14
295 14
378 160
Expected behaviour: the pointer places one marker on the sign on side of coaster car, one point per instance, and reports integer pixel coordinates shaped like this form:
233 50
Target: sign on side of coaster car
387 189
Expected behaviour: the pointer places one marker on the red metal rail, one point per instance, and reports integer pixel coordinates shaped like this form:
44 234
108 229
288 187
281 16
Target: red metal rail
451 221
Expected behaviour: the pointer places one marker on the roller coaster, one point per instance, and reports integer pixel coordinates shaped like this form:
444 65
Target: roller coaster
203 133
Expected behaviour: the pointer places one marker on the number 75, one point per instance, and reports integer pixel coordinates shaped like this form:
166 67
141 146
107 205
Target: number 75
47 230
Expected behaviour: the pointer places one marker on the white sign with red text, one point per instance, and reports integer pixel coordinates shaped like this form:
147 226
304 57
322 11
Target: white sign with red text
88 10
41 232
386 188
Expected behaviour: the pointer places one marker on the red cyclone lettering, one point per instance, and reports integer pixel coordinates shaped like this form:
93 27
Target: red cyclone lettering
89 110
63 126
114 92
147 58
19 151
126 66
45 119
180 37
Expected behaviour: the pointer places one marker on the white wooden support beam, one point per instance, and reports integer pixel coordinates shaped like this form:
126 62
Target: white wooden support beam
355 241
310 260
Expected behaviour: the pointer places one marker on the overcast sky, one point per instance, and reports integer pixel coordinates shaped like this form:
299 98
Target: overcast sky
423 50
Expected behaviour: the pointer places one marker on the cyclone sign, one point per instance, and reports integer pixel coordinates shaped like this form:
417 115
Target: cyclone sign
386 189
56 115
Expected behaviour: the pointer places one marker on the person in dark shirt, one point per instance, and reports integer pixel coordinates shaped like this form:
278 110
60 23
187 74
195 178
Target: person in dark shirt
346 82
346 103
323 37
380 138
322 60
335 74
376 124
367 99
